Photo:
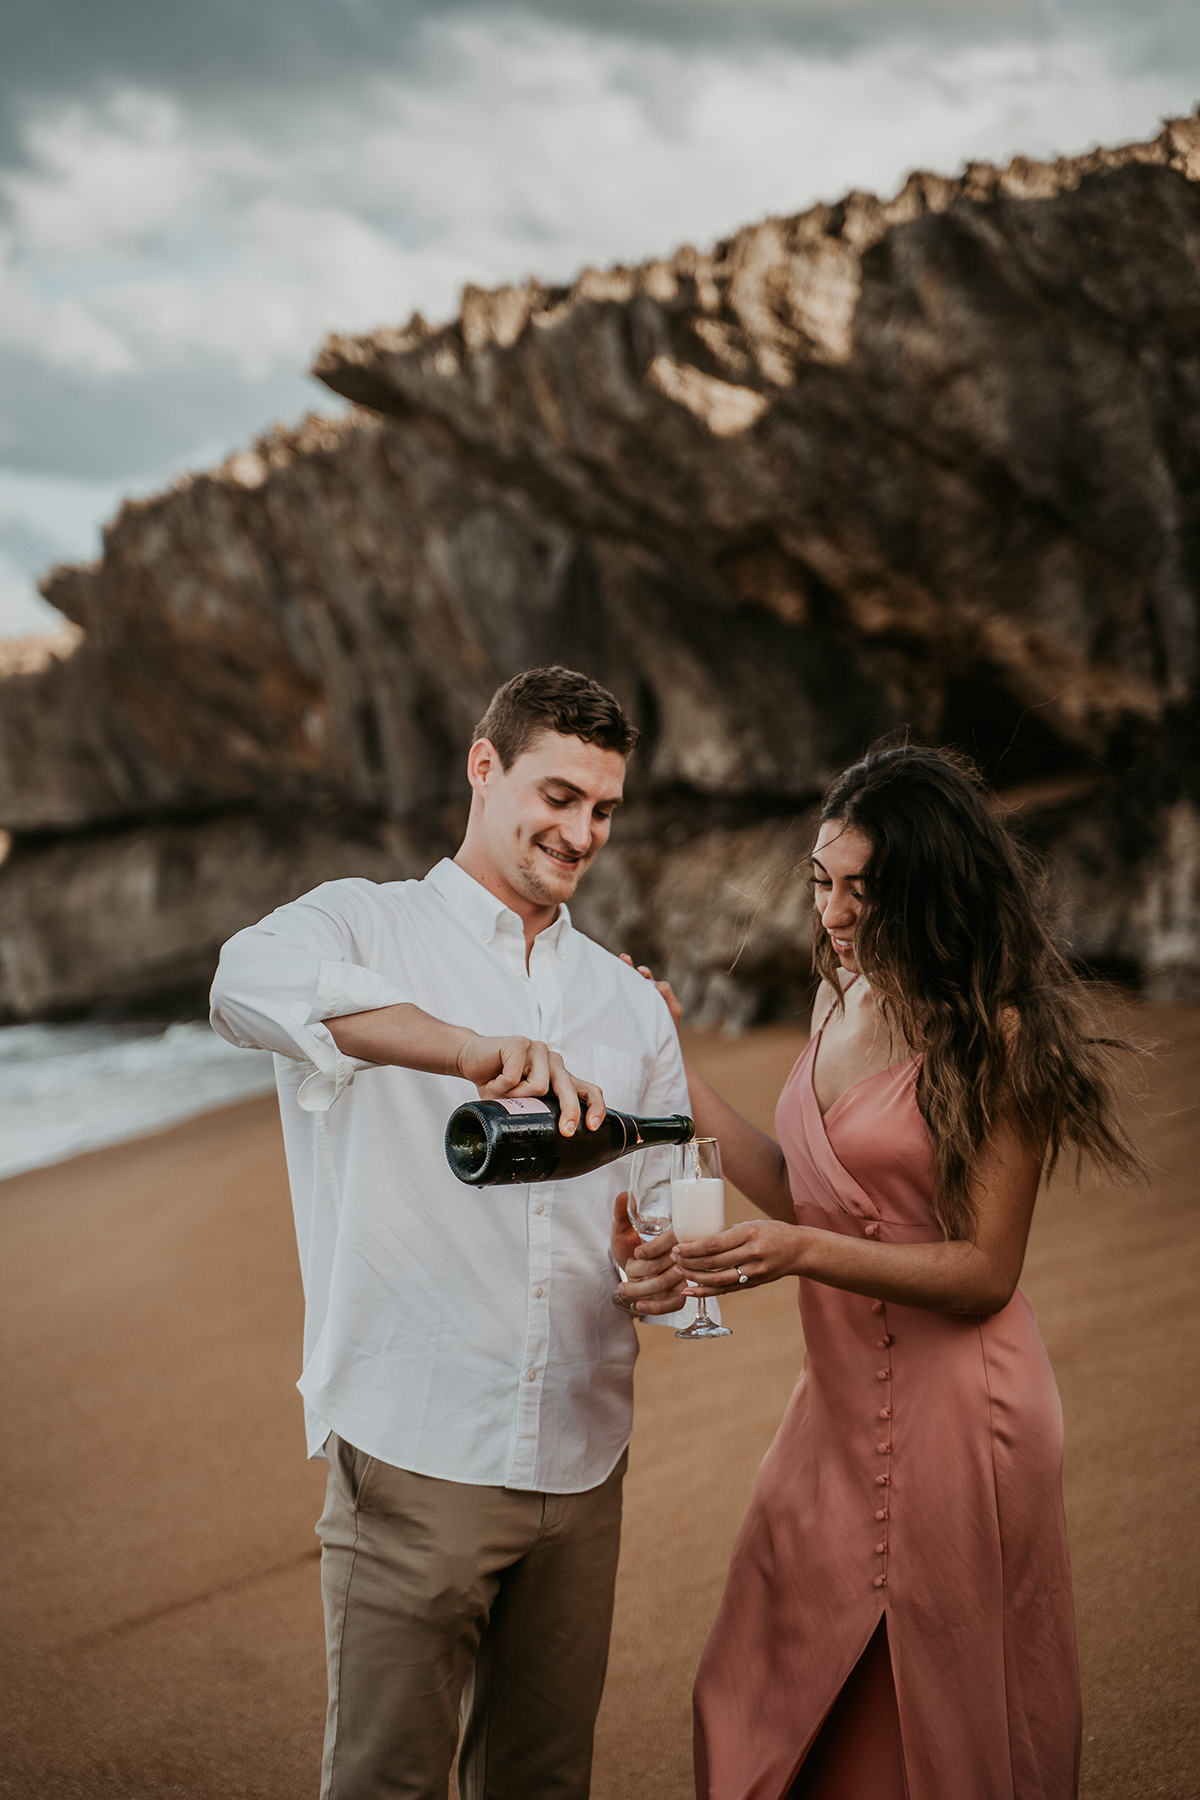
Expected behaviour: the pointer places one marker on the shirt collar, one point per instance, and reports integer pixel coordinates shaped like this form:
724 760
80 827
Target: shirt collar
483 912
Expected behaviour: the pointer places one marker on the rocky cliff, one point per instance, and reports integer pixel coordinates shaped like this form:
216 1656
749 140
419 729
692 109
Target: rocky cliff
931 464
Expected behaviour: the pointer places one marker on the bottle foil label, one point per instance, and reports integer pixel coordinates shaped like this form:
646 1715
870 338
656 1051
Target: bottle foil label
524 1106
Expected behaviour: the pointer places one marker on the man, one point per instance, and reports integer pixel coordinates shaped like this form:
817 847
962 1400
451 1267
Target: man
465 1372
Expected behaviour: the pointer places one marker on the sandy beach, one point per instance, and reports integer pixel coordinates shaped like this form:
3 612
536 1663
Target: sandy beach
163 1613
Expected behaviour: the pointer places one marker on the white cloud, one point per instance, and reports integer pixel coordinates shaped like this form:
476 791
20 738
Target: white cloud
101 179
139 235
149 238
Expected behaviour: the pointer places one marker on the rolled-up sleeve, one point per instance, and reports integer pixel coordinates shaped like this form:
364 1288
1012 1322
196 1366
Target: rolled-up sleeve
277 982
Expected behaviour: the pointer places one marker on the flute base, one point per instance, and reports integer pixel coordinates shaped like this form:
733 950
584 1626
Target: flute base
705 1328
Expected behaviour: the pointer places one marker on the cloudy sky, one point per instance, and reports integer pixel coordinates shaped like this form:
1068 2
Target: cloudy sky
192 195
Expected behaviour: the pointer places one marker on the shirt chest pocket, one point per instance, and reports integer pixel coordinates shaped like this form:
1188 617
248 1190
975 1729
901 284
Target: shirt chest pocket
621 1075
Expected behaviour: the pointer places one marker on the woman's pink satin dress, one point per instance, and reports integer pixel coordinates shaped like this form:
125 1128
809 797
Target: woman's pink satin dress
916 1477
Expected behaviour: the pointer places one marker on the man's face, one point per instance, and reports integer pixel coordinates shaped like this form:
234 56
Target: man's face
544 819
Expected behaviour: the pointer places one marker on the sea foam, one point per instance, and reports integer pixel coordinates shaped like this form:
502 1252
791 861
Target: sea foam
74 1087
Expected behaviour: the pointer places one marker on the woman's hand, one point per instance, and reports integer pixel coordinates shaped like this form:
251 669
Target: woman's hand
664 988
746 1255
652 1283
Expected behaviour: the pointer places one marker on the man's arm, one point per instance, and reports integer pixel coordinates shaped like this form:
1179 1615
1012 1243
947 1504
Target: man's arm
294 984
501 1068
277 983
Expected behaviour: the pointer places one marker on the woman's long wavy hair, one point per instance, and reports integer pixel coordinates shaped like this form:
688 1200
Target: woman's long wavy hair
954 941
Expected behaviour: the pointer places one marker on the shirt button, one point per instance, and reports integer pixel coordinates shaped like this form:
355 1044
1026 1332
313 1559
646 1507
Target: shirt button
538 1292
877 1306
870 1231
883 1449
539 1208
532 1375
885 1412
882 1480
882 1513
883 1375
881 1549
881 1581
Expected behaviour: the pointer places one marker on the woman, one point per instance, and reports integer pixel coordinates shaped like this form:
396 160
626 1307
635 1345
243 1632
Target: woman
897 1619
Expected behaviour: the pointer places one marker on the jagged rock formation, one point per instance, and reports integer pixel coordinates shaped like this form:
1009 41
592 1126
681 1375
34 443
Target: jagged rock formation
933 463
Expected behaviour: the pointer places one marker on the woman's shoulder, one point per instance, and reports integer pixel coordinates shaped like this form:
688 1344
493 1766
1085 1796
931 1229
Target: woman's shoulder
827 997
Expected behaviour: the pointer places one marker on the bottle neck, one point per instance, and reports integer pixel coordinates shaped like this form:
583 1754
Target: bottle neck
675 1128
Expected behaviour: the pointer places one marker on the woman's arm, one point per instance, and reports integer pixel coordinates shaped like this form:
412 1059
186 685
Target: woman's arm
751 1158
958 1277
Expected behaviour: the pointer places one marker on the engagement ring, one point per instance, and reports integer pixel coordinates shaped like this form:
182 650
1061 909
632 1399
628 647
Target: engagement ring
742 1279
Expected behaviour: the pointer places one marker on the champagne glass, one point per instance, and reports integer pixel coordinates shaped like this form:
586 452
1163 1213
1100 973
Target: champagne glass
649 1202
650 1192
698 1211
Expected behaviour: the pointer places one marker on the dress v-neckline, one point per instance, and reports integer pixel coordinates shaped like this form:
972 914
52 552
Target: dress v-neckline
862 1081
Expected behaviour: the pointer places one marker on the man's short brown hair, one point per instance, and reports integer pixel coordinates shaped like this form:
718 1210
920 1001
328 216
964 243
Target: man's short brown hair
553 699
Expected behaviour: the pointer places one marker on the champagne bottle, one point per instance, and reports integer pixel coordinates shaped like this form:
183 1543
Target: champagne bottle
490 1142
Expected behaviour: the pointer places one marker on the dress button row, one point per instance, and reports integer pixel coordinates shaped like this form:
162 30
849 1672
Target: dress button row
885 1412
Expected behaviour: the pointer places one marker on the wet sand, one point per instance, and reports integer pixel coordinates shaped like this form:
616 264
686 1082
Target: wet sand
160 1571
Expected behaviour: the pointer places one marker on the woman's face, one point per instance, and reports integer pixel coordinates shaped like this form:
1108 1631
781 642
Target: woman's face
840 860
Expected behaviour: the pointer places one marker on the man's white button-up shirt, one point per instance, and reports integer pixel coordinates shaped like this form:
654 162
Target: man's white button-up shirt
466 1333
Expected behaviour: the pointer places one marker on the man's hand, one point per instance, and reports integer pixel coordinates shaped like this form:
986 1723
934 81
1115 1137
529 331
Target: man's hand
652 1283
511 1068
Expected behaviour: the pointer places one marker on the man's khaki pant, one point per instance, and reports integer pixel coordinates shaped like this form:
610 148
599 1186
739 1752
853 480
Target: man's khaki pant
442 1597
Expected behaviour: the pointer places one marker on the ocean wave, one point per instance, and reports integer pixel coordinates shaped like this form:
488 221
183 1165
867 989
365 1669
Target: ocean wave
74 1087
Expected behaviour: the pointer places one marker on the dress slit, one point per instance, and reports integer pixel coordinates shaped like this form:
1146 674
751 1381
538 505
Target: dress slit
858 1753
